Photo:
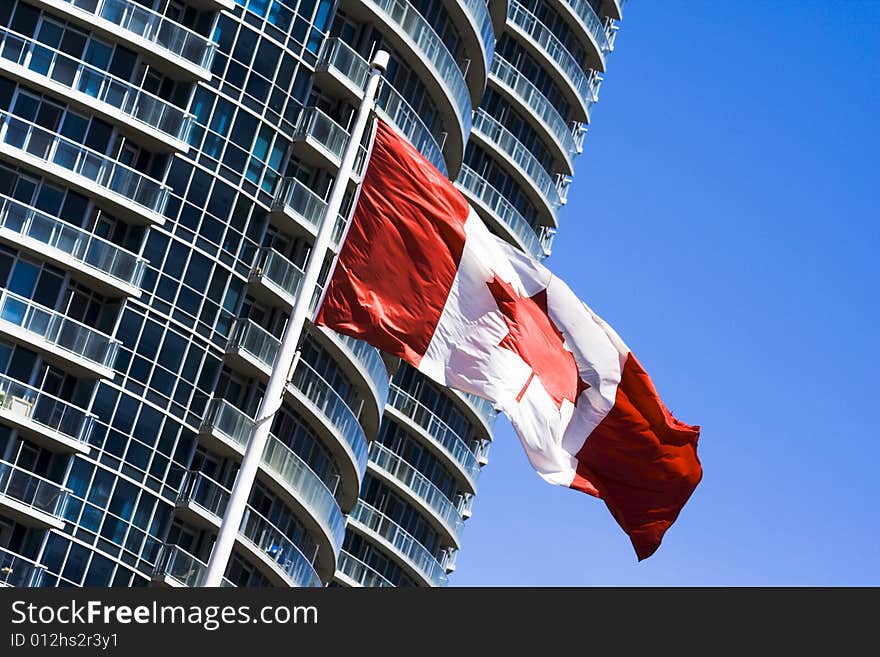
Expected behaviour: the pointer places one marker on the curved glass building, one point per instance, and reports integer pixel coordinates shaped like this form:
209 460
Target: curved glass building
164 166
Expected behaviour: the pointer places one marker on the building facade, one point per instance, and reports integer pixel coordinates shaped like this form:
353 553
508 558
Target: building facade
164 165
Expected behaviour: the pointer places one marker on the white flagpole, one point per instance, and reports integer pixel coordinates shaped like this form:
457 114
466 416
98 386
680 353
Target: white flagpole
284 359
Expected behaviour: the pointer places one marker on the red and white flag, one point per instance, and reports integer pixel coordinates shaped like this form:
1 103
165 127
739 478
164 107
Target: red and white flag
421 277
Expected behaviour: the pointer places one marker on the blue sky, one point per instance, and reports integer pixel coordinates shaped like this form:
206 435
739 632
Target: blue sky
723 219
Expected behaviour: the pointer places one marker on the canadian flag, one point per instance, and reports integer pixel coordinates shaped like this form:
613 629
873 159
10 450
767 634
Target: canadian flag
420 276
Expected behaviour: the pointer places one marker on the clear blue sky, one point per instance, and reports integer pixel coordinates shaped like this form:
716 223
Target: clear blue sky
724 220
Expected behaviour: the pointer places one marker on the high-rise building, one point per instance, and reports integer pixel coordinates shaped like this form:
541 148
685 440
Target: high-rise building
164 165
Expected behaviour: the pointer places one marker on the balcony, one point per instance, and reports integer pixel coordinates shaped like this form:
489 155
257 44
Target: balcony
18 572
176 567
525 166
589 24
318 140
501 212
275 279
63 340
354 572
439 434
425 53
317 398
416 486
31 499
297 208
482 408
520 89
283 469
162 125
69 163
369 361
537 37
348 71
163 42
279 558
252 349
110 269
43 418
399 543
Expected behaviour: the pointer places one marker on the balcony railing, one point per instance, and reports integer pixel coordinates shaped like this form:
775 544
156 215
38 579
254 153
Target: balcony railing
406 545
77 75
479 11
357 571
42 409
483 407
255 529
370 359
151 26
594 25
470 181
31 490
554 49
282 462
333 407
58 330
393 107
418 484
316 125
442 433
507 74
19 572
50 147
279 271
521 156
94 252
296 197
178 564
253 339
430 46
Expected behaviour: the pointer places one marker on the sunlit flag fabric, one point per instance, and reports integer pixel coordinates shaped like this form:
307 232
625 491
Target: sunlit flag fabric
420 276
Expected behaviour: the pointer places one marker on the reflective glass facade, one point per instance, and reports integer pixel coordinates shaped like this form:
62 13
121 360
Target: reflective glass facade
163 168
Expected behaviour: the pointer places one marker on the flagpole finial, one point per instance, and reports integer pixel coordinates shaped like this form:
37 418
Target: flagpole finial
380 60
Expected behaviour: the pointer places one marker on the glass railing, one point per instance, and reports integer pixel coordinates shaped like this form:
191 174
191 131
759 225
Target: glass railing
147 24
402 541
250 337
278 458
75 74
418 484
587 15
314 124
92 251
392 106
552 46
225 419
181 566
255 529
114 176
18 572
482 407
470 181
530 95
433 51
479 11
282 461
298 198
58 329
279 271
322 395
370 359
45 410
442 433
521 156
357 571
32 490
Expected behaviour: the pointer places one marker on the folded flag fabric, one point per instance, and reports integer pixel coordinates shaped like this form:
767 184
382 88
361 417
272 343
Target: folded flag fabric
420 276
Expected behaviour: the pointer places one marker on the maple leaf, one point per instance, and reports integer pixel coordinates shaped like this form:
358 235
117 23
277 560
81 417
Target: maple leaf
534 337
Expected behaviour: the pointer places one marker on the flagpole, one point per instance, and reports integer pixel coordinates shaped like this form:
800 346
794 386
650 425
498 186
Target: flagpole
287 352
